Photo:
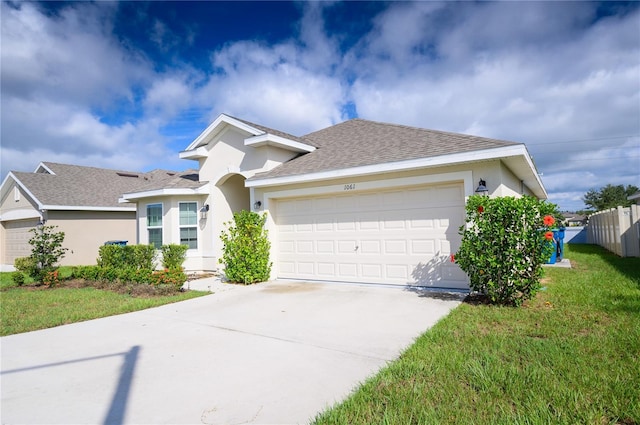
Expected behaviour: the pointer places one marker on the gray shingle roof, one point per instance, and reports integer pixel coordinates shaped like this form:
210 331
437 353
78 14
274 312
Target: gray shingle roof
360 142
275 132
79 186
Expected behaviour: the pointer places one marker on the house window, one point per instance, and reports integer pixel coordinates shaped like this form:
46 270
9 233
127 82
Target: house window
154 224
189 224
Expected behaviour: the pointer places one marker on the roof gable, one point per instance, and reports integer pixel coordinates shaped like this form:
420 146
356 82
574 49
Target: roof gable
259 136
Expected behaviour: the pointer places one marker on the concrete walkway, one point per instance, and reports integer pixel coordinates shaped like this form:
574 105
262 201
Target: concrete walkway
274 353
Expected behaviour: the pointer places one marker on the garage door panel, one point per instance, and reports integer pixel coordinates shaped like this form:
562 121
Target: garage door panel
399 237
423 246
370 247
327 269
348 270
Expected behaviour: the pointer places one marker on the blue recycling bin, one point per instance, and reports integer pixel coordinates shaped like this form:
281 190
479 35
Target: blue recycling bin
558 236
121 243
558 246
554 253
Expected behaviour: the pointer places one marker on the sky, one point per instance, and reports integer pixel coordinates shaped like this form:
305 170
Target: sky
128 85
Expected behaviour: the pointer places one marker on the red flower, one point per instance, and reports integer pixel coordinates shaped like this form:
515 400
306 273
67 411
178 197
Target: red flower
452 257
548 220
548 235
480 209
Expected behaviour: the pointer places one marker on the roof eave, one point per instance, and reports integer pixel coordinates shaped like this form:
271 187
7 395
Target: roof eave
85 208
268 139
135 196
525 171
197 153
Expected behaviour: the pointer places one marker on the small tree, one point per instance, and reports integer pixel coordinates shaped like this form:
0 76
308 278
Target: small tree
504 244
246 248
47 249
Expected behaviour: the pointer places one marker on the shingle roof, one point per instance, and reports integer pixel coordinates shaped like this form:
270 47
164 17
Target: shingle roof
360 142
274 131
79 186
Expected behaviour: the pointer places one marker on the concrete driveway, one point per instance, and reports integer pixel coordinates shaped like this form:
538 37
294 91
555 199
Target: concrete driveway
274 353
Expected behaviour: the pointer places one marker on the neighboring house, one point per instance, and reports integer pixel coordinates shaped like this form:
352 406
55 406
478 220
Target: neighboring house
81 201
360 201
635 197
573 219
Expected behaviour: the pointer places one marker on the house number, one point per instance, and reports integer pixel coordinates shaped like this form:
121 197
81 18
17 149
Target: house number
350 186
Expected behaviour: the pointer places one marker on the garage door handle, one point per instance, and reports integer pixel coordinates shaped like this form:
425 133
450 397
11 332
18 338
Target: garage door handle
356 248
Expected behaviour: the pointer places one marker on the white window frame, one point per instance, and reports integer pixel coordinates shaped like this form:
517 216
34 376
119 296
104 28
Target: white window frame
188 226
161 226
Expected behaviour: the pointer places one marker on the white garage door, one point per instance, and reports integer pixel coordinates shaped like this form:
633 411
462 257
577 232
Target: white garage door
402 236
16 243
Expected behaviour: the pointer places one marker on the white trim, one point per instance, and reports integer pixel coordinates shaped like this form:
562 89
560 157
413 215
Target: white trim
190 226
47 169
21 214
200 152
146 221
465 176
487 154
128 197
222 118
84 208
281 142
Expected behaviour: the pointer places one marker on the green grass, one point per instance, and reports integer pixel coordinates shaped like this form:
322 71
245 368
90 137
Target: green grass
570 356
26 309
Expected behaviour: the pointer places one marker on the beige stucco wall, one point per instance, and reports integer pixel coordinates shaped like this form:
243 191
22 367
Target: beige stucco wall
228 154
86 231
228 164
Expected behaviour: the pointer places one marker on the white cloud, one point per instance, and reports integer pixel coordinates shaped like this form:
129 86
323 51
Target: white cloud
290 86
556 76
64 76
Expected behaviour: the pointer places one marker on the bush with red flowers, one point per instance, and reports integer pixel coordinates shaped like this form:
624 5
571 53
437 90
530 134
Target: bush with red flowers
503 247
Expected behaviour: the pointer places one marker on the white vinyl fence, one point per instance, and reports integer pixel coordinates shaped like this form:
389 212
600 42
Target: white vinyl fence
617 230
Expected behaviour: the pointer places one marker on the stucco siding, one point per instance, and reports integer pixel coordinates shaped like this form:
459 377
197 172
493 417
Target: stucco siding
86 231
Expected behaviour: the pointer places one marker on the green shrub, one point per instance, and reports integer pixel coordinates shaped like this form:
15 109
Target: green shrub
18 278
144 257
50 277
246 248
173 277
173 256
26 265
86 272
503 246
127 256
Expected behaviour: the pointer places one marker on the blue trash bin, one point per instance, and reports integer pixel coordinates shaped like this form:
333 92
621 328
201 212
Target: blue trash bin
553 242
121 243
558 235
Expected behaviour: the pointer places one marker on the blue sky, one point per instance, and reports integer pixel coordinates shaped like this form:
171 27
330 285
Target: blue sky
128 85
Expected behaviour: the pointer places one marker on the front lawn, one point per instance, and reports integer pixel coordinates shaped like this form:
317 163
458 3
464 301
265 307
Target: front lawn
31 308
569 356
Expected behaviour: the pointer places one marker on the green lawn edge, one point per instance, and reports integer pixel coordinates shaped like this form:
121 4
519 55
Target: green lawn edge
571 355
24 309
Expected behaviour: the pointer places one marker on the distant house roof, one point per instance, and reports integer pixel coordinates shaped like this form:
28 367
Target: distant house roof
73 187
634 197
